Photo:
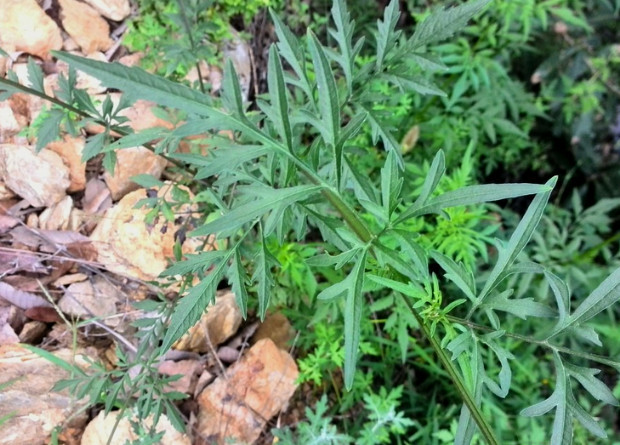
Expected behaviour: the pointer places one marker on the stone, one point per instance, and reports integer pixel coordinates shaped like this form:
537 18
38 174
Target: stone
26 27
5 192
116 10
43 189
9 126
239 405
36 408
277 328
83 81
85 26
239 53
91 299
188 369
98 431
70 150
131 162
127 246
217 324
57 216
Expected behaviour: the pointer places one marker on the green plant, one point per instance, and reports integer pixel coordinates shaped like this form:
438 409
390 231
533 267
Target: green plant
290 173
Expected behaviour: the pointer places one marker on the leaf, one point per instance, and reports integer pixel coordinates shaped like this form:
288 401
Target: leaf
413 84
35 75
344 35
328 101
562 296
379 131
69 367
434 175
391 184
606 294
410 290
386 35
475 194
195 263
225 159
457 274
263 277
353 319
441 24
191 307
250 211
139 84
335 290
49 131
237 278
231 95
596 388
277 92
519 238
146 181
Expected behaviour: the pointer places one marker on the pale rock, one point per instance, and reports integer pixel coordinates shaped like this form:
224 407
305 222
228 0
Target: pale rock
70 150
97 197
9 126
188 369
217 324
141 116
99 430
131 162
32 220
57 216
116 10
255 389
127 246
32 332
65 280
277 328
131 59
77 220
5 192
83 81
70 45
24 26
238 52
35 408
91 299
85 26
5 62
49 177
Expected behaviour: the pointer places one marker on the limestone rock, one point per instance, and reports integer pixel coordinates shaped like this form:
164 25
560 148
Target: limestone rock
85 26
101 427
217 325
49 179
9 126
277 328
256 388
90 299
131 162
25 27
57 216
70 150
116 10
127 246
37 409
189 369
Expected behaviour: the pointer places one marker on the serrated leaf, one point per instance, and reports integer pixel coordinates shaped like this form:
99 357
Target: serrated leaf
277 92
49 131
441 24
263 278
237 278
334 291
344 35
378 131
35 75
139 84
475 194
191 307
386 35
434 175
521 307
250 211
596 388
93 146
391 184
146 181
519 238
562 296
457 274
353 319
194 263
328 101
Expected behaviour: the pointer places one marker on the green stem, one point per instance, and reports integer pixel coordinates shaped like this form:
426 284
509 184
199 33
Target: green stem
358 226
483 426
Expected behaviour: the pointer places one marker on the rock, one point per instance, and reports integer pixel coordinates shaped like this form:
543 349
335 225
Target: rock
96 197
131 59
98 431
37 409
141 116
70 150
32 332
91 299
277 328
43 189
85 26
131 162
9 126
57 216
5 192
189 369
238 52
116 10
255 389
217 325
26 27
83 81
127 246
